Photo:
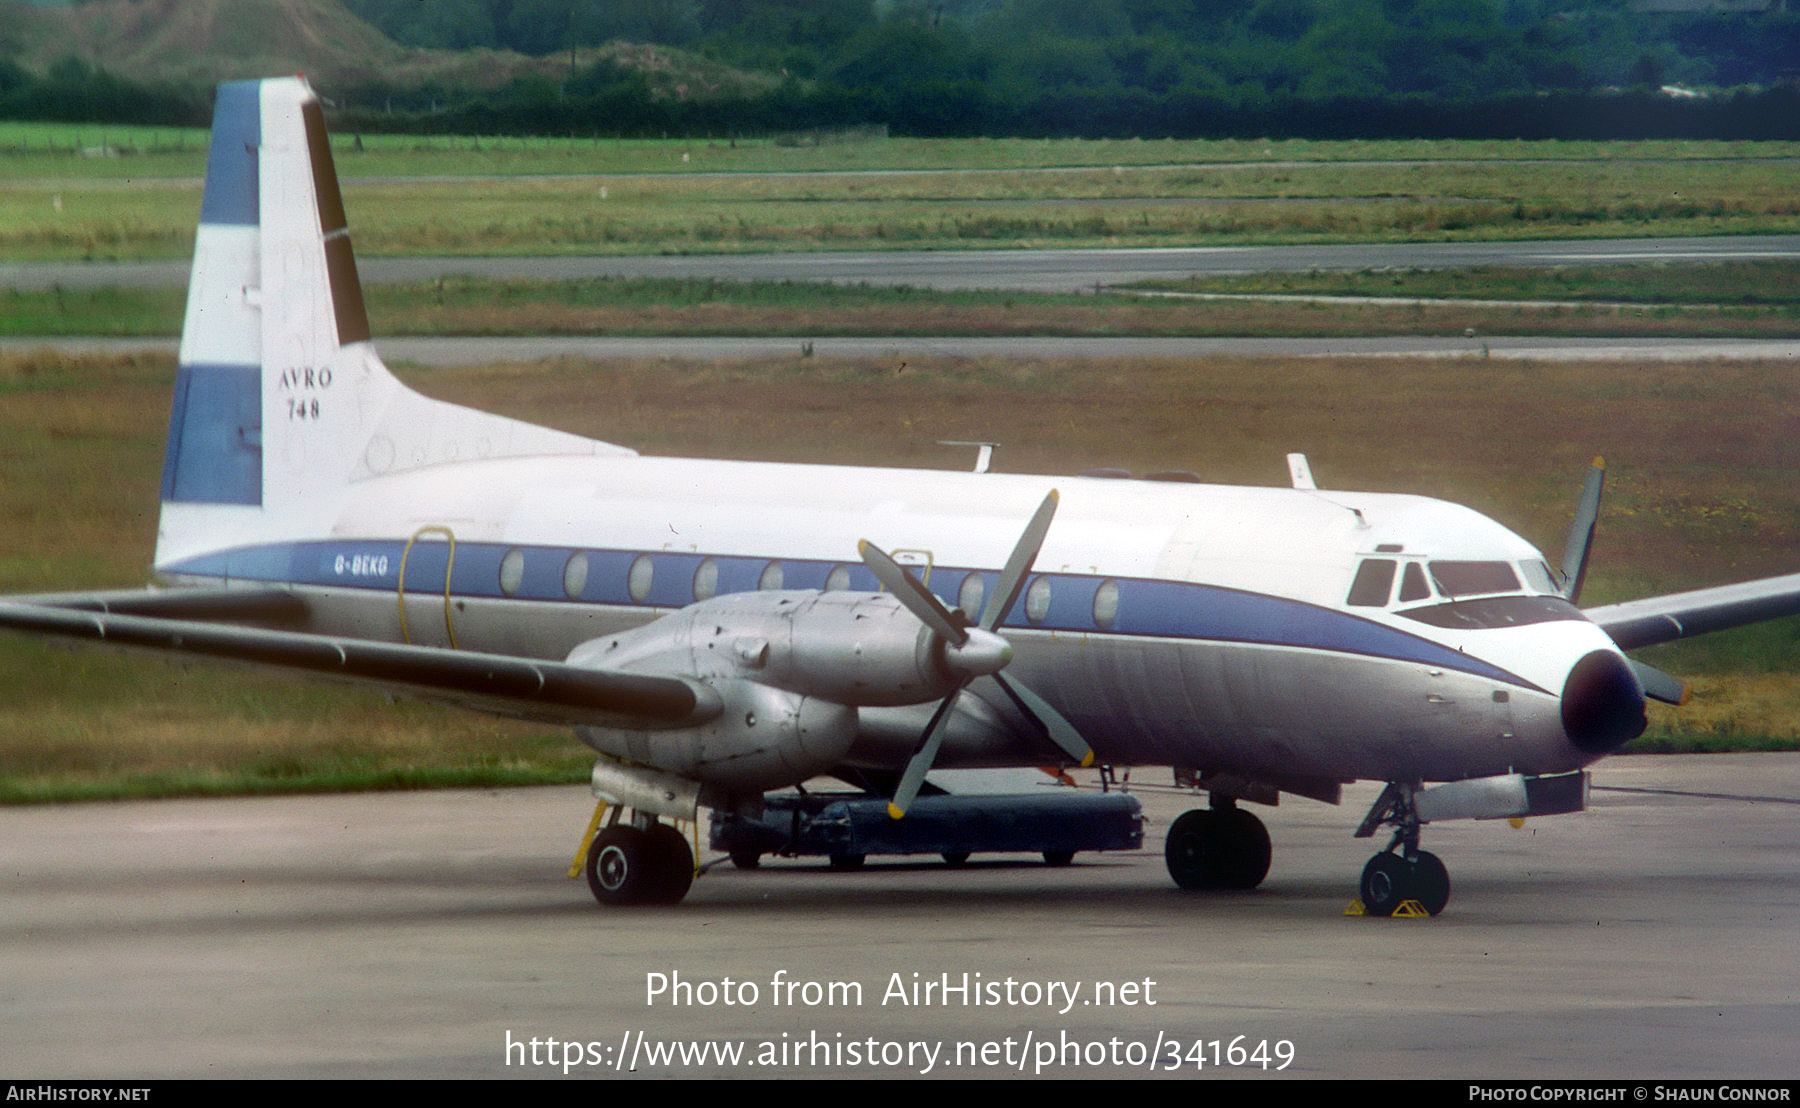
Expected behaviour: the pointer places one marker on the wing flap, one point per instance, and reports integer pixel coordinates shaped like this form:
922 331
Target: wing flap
1660 619
525 688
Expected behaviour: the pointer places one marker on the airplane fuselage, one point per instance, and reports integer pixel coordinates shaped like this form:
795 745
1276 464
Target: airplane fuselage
1177 624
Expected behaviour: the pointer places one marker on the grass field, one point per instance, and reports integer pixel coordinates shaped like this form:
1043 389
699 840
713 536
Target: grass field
1688 505
62 196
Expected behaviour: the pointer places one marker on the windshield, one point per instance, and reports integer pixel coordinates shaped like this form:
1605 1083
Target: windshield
1459 579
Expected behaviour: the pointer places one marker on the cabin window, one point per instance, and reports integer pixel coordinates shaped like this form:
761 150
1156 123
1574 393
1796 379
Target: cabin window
772 577
1459 579
575 572
637 581
706 579
512 571
1106 604
971 594
838 579
1373 585
1037 600
1413 585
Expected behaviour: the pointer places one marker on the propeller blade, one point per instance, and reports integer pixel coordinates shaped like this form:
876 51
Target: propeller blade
972 651
917 598
1657 684
1018 566
914 777
1581 532
1061 731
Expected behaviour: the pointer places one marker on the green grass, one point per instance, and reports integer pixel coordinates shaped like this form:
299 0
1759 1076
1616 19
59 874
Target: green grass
470 196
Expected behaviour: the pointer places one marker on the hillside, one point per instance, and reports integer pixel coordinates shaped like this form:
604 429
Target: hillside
201 42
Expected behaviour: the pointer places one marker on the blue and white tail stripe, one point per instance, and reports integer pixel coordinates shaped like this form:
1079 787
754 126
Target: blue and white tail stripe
214 451
281 403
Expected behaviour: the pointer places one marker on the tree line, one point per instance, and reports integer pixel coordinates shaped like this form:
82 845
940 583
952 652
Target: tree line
1088 68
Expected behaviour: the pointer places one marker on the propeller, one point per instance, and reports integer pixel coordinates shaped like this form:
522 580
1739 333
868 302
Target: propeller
973 650
1657 685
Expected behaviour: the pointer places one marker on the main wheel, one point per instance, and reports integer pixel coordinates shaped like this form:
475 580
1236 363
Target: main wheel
1058 857
956 859
847 861
1191 848
618 866
1244 860
1217 848
671 864
746 859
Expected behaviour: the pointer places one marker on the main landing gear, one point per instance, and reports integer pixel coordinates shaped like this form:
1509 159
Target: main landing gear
1402 872
1221 847
644 861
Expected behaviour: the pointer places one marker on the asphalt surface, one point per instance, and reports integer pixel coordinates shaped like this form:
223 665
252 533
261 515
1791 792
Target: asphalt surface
1024 270
417 934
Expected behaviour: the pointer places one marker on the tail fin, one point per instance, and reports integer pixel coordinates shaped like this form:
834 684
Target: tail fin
281 404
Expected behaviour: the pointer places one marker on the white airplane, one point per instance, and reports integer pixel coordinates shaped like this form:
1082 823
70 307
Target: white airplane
714 630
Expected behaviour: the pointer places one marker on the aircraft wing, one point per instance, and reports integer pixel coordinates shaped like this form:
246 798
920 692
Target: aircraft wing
1660 619
524 688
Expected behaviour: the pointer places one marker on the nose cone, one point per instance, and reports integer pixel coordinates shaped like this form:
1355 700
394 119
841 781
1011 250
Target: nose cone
1602 703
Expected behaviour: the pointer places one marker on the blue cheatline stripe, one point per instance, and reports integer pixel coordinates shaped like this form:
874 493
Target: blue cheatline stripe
231 160
1146 608
214 451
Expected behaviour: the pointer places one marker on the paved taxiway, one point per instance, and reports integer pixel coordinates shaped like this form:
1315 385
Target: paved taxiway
410 934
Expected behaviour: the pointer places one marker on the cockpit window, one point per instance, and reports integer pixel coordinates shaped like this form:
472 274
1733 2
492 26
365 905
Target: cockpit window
1374 581
1460 579
1539 578
1413 585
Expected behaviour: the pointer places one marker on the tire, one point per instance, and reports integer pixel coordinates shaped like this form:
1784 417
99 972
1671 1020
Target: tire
746 859
671 863
1243 861
956 859
1430 883
1058 857
847 862
618 868
1190 848
1386 883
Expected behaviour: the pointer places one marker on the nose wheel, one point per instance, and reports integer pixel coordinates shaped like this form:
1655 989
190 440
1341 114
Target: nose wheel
1402 873
1390 880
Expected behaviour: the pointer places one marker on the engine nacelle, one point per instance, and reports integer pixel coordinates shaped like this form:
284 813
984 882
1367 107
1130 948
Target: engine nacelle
860 649
765 738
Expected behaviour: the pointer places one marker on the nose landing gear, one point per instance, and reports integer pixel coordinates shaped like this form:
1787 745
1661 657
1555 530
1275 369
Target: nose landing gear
1402 873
